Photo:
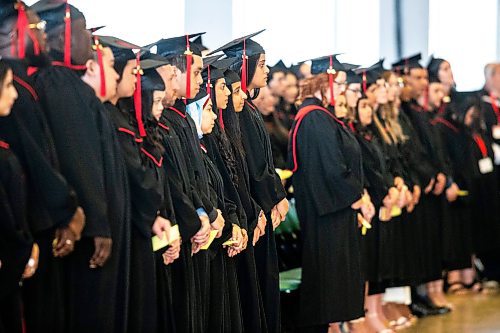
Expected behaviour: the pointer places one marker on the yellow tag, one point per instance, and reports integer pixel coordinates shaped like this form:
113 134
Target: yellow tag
396 211
363 230
463 193
284 174
213 233
230 242
166 241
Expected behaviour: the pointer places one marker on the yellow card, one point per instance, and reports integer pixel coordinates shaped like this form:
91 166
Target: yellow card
396 211
463 193
165 241
284 174
213 233
230 242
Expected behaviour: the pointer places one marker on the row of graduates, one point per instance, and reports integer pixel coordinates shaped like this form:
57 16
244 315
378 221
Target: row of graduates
103 149
394 182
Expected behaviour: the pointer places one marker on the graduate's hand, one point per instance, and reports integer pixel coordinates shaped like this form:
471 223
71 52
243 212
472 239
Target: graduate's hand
244 233
63 243
102 251
172 252
417 192
202 236
262 222
161 227
402 197
283 206
368 211
440 184
357 205
32 265
452 192
237 236
218 224
275 217
256 235
399 183
410 206
429 187
77 223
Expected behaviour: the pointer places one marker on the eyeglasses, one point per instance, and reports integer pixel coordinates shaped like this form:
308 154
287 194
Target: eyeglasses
40 26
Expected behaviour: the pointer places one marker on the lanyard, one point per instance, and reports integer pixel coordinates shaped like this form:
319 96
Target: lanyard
481 145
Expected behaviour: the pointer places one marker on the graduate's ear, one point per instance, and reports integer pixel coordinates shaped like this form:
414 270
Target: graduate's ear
92 67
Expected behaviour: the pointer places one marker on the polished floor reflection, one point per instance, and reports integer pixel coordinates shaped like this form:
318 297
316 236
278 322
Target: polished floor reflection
472 314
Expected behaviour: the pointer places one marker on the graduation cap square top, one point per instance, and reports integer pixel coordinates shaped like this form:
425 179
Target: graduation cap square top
433 68
242 48
278 67
17 9
371 74
56 13
404 65
330 65
214 70
179 45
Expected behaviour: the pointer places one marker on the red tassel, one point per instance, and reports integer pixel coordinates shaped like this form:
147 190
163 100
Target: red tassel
22 23
36 45
67 36
101 67
189 60
364 82
244 69
209 85
221 119
330 81
138 98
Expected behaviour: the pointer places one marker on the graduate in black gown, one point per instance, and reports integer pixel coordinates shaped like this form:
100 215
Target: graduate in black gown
251 215
328 182
225 311
15 237
90 159
265 185
52 204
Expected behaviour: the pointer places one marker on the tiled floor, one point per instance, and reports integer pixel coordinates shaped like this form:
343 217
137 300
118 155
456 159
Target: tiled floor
472 314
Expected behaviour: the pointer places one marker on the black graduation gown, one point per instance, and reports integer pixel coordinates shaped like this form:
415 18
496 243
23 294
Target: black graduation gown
329 179
457 237
225 309
267 190
378 180
147 189
91 160
51 201
435 207
15 239
250 295
185 296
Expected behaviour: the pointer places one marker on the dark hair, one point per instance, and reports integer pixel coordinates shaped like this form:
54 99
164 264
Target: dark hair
153 136
179 61
232 127
4 69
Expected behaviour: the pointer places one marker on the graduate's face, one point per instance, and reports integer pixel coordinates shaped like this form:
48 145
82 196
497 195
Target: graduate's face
436 94
352 94
208 118
339 84
222 93
393 88
8 94
111 76
126 86
305 70
341 106
259 79
238 96
381 92
265 102
471 118
196 78
157 107
169 75
445 74
365 112
277 84
292 89
418 80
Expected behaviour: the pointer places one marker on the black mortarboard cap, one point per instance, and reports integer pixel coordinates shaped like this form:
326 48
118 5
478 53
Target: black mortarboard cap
404 65
433 68
177 45
349 66
322 65
95 29
152 80
371 74
231 77
122 50
54 12
352 77
199 41
7 9
278 67
234 49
